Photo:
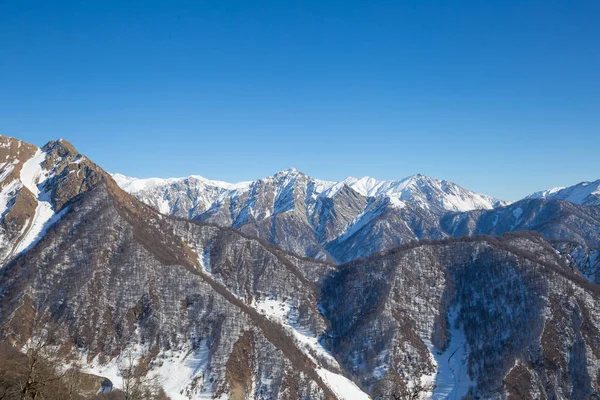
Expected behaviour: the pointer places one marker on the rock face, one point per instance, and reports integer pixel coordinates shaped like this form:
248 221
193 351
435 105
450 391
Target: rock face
212 311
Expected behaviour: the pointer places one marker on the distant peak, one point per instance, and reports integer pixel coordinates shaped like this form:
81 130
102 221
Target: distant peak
419 178
288 172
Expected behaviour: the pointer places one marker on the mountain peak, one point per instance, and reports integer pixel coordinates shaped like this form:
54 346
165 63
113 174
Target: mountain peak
61 146
288 172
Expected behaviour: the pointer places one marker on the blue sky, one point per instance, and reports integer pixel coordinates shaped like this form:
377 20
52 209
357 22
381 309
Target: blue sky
502 97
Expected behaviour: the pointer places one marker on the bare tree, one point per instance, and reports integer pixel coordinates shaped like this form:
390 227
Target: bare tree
30 374
135 384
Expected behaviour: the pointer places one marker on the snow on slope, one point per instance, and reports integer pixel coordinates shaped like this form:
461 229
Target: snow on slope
544 194
282 313
451 380
584 193
33 176
424 191
174 370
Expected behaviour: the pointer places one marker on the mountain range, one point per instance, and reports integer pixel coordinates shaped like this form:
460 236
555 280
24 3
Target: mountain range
341 221
311 217
289 287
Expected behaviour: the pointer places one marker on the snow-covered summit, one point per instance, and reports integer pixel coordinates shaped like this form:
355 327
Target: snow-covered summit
423 191
584 193
132 184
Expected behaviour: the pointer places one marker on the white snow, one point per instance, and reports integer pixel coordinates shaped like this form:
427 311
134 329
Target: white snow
273 309
134 185
451 380
584 193
545 193
163 206
307 341
6 171
397 203
32 172
517 212
342 386
33 176
7 194
173 370
177 370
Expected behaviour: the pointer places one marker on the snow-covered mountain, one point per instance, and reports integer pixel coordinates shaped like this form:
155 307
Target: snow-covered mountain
422 191
312 217
201 193
36 185
584 193
210 312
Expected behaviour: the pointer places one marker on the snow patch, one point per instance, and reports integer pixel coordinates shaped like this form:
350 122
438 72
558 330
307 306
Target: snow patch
451 380
174 370
7 194
517 212
6 171
33 176
309 343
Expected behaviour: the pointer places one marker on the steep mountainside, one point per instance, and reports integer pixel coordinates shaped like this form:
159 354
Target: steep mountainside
318 219
483 318
36 186
584 193
209 311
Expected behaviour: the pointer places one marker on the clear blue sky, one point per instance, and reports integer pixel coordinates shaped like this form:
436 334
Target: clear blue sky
502 97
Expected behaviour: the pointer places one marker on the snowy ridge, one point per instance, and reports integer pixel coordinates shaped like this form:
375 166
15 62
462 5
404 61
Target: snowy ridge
584 193
316 218
422 190
135 184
